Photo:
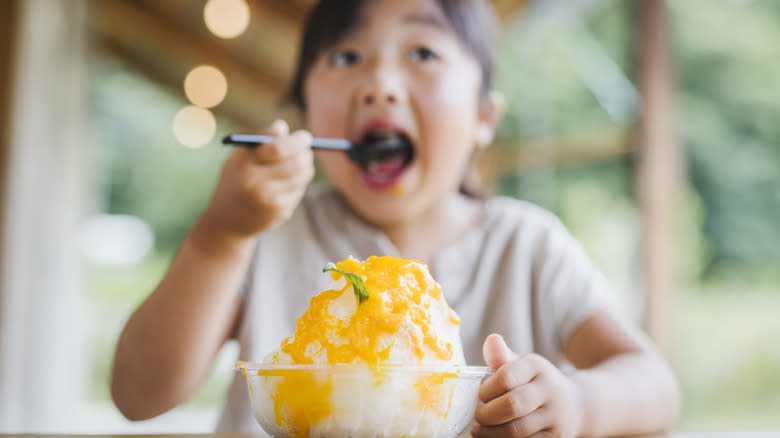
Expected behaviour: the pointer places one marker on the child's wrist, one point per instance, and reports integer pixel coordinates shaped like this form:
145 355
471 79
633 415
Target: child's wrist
580 405
207 237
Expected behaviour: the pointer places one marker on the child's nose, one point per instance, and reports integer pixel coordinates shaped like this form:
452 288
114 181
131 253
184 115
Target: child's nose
383 86
370 98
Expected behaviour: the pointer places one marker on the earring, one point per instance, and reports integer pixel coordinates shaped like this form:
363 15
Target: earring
484 135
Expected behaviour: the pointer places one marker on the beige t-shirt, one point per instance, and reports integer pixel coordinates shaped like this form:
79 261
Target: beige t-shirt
518 273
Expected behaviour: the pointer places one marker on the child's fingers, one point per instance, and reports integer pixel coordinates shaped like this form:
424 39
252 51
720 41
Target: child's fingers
297 143
289 201
496 352
285 146
511 375
267 153
516 403
279 128
533 425
292 174
301 164
290 183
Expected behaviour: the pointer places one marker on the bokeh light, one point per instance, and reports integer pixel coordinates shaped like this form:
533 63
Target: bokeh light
115 240
226 18
194 126
205 86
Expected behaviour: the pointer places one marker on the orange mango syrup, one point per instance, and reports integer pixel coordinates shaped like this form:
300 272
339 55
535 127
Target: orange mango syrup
397 313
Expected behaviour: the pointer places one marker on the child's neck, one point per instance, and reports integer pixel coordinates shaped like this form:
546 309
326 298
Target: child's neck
423 236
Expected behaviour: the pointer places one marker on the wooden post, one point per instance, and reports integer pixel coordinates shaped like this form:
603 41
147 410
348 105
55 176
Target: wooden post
46 173
659 169
8 29
8 10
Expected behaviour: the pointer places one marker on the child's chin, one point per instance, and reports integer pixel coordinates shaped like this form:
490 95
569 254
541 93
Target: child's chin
385 211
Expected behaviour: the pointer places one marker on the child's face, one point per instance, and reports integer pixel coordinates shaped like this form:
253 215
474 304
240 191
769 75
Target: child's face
402 69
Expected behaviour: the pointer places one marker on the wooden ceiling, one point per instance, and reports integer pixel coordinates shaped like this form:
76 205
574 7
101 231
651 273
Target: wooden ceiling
165 39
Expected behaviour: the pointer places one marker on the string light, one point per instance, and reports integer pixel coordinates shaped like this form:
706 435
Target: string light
205 86
226 18
194 126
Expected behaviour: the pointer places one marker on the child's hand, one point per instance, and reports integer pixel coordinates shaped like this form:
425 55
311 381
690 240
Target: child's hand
527 397
261 186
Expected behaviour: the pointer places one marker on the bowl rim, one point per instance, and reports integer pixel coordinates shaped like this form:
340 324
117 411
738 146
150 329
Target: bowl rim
467 371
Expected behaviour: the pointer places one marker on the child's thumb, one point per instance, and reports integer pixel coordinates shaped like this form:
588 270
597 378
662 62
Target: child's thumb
496 352
279 128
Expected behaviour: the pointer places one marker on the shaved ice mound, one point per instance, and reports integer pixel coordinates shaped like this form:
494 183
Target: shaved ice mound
378 354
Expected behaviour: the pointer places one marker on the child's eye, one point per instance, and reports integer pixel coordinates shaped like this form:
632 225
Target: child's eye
344 58
422 54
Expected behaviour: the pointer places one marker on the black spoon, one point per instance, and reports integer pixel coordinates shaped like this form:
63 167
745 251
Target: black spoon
377 147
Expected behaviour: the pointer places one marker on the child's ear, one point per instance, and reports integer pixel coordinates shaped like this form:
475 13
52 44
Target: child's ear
491 109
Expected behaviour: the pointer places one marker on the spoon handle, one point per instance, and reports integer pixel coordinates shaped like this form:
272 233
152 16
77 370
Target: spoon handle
317 143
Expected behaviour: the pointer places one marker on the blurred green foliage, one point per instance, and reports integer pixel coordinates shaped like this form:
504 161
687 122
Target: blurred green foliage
726 356
145 171
727 63
728 60
113 295
726 56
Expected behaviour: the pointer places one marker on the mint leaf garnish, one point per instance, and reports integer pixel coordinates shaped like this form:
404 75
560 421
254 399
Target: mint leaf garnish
361 292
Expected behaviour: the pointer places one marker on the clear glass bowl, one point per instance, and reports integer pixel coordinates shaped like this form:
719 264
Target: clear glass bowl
357 401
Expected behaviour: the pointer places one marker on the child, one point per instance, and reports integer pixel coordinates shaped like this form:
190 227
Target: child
564 366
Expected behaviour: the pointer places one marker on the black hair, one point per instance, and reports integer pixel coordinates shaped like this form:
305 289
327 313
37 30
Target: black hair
472 21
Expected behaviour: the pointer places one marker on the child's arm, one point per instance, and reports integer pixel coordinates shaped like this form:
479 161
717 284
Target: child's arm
620 386
167 346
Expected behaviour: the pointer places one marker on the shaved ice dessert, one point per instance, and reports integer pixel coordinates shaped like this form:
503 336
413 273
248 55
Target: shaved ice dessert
378 354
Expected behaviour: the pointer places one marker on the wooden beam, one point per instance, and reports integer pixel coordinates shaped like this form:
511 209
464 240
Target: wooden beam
659 169
275 38
268 46
298 10
151 41
506 9
163 77
258 64
573 149
291 9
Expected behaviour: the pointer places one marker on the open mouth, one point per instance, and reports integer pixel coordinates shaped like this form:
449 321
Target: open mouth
387 156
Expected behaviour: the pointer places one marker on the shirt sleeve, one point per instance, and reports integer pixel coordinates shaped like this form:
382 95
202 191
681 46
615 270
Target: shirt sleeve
569 288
